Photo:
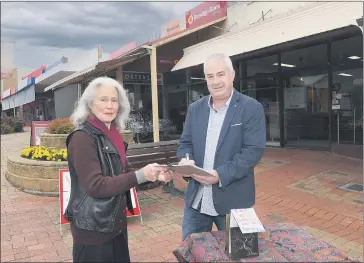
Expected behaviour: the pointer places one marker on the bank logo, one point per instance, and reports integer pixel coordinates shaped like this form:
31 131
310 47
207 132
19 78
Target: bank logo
208 13
190 19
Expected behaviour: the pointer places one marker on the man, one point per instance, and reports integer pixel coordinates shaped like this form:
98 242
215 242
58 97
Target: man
225 134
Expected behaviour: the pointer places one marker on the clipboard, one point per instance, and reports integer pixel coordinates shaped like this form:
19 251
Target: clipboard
188 170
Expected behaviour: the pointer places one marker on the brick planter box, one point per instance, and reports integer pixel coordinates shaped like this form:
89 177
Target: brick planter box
32 176
53 141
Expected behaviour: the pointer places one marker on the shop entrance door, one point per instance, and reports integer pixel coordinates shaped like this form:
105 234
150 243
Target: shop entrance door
306 115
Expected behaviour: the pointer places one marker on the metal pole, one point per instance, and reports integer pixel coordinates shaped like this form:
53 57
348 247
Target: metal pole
338 127
79 91
354 123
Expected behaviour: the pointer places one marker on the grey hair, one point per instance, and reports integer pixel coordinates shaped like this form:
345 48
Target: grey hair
219 56
83 105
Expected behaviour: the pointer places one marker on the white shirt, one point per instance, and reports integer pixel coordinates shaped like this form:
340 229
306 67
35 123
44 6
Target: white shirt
216 120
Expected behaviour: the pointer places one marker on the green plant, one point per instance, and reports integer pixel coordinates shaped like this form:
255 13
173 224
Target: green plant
11 124
65 129
60 126
18 127
5 129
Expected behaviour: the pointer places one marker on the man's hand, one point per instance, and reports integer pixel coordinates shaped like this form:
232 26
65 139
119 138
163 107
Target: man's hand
207 179
185 161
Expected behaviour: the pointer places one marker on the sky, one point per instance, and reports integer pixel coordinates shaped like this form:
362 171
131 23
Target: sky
45 31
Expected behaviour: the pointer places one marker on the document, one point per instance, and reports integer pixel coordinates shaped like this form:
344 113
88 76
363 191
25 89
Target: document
247 220
188 169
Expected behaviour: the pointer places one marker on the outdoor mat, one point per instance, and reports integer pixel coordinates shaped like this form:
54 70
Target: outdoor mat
282 242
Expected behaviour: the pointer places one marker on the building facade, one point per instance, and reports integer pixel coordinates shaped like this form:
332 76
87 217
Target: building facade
303 62
24 94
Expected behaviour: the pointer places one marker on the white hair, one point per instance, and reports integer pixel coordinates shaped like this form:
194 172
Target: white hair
83 105
219 56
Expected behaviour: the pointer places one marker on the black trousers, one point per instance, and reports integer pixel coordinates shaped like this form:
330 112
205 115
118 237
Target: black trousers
115 250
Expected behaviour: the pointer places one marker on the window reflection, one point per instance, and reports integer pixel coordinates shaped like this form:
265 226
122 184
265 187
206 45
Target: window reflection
347 60
262 82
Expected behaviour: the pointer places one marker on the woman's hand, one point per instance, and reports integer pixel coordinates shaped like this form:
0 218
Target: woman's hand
165 177
152 171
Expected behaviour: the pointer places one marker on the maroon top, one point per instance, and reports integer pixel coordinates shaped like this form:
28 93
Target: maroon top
83 154
113 135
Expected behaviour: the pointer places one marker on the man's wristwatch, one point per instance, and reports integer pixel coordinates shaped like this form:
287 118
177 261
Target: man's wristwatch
186 178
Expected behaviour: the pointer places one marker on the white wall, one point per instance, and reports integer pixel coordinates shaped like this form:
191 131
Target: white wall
247 13
64 100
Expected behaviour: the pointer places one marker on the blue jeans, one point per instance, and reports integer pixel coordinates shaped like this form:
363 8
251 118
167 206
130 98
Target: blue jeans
195 222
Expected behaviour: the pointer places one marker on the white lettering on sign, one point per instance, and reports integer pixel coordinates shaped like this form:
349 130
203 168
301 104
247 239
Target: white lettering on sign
247 220
206 12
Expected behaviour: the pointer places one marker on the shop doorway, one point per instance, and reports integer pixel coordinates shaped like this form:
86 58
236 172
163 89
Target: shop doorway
306 98
197 91
306 116
262 84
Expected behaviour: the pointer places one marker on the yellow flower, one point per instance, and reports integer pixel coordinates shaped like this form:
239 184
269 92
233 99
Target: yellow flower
42 153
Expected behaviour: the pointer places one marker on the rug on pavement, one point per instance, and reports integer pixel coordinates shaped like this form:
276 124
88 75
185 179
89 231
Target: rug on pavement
281 242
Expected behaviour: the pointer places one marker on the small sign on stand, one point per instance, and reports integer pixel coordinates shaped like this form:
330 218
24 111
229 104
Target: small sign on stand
242 228
65 193
136 207
37 128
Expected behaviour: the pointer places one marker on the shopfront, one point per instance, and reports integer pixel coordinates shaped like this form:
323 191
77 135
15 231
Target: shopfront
138 88
13 105
316 92
310 86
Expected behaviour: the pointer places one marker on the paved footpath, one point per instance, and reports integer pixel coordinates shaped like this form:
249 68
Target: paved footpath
296 186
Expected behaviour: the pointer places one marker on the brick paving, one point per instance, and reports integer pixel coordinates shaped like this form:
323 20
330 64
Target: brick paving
296 186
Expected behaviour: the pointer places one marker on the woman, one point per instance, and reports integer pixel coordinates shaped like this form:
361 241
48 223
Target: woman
100 175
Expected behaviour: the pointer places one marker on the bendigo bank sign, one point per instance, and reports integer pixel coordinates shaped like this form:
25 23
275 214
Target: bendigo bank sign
205 13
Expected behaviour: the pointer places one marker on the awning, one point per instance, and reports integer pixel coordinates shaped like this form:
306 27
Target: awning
70 79
316 18
182 33
98 69
20 98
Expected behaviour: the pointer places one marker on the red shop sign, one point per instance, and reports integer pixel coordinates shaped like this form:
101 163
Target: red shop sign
205 13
